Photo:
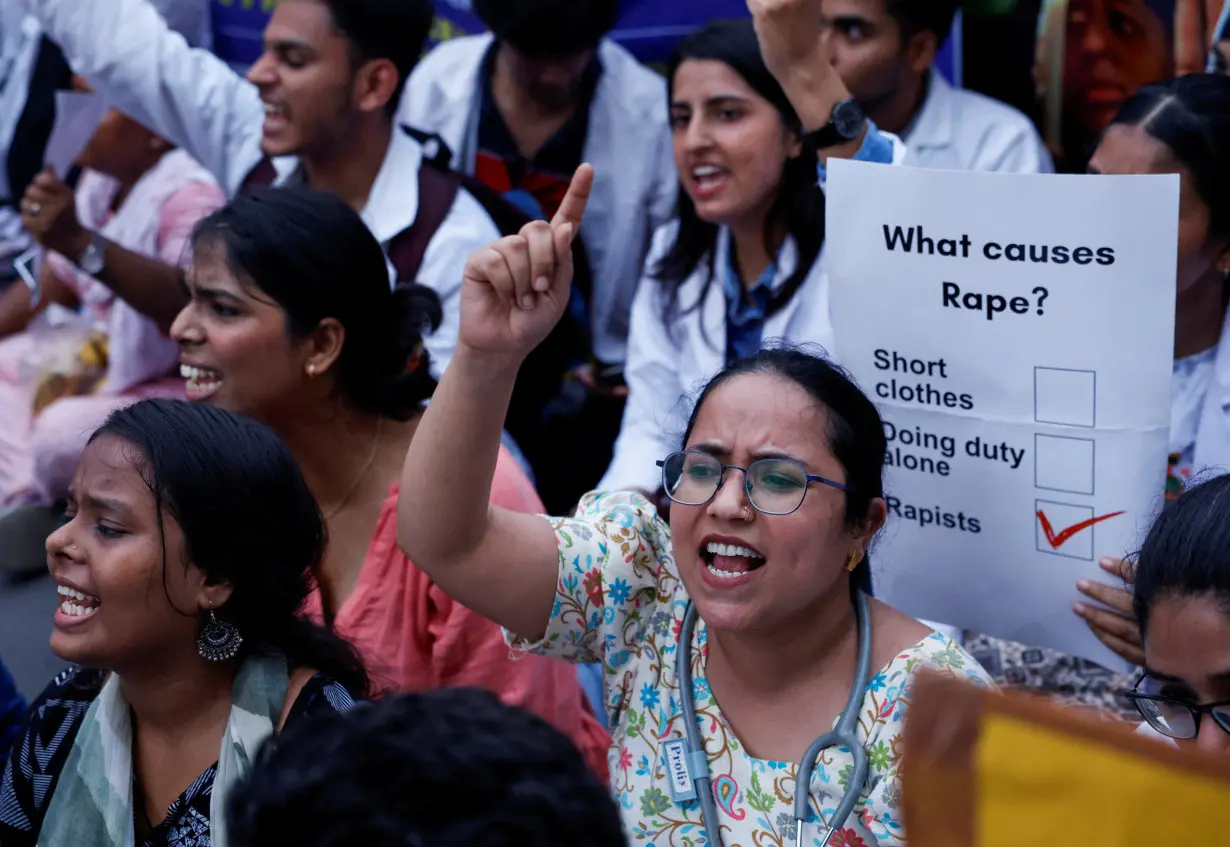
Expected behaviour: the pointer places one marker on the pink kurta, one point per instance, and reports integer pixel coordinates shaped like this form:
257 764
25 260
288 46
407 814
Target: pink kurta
413 636
38 456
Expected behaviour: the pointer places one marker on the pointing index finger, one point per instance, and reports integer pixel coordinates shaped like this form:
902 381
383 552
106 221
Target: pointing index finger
572 209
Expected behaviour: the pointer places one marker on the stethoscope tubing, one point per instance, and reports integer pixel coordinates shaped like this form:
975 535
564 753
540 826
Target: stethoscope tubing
845 735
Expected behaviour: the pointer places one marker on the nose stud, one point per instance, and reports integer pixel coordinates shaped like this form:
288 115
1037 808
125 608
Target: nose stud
747 513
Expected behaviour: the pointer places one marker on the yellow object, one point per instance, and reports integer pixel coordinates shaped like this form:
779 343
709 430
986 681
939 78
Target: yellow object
1036 786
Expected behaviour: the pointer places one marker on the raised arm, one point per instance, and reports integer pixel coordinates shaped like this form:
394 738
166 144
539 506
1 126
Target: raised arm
792 43
188 96
501 564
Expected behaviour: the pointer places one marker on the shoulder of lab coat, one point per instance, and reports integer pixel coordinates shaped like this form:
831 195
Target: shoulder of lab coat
634 192
393 205
958 129
629 145
466 229
655 384
441 95
1212 453
668 365
188 96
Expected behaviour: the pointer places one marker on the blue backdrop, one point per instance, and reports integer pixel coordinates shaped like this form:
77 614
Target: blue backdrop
649 28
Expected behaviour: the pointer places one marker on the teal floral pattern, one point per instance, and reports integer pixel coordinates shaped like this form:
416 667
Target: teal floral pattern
620 602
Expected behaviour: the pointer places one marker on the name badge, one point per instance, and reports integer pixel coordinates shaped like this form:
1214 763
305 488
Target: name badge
682 786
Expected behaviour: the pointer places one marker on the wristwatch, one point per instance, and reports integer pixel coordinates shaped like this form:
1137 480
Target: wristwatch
94 259
846 124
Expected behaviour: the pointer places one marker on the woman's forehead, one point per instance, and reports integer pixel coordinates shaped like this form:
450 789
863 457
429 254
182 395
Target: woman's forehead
113 468
759 413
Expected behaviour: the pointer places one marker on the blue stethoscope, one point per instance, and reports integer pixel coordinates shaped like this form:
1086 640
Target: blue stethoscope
688 766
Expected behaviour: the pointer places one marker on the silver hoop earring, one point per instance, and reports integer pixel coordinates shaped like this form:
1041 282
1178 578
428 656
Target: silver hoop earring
219 640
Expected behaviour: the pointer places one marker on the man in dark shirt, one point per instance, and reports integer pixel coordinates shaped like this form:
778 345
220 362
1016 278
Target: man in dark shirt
537 84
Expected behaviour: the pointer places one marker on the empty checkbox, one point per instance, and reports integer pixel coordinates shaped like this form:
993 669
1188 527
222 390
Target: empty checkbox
1065 397
1064 464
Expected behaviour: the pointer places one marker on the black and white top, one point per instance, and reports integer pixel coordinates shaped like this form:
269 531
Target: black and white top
37 759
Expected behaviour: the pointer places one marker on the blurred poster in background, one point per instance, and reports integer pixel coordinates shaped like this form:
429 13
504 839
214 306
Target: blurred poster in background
1071 64
650 29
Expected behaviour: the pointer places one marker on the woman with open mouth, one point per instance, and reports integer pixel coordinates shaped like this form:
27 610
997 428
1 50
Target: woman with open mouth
742 262
291 320
747 607
181 571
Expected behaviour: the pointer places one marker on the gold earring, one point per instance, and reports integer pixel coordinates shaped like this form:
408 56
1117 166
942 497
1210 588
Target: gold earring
853 560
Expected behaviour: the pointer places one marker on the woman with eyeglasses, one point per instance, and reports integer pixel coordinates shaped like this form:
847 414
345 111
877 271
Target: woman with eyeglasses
778 493
1182 603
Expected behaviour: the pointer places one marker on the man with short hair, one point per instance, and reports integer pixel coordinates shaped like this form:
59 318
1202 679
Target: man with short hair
885 50
520 108
317 106
453 767
523 106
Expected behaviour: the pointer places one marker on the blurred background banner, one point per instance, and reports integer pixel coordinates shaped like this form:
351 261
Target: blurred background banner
648 28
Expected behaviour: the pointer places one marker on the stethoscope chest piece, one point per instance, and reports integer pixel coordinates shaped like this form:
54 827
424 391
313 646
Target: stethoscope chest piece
687 766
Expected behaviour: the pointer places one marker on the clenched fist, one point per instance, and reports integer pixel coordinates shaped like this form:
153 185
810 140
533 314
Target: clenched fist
790 36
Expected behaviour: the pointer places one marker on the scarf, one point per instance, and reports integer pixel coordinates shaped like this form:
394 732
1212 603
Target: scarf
93 803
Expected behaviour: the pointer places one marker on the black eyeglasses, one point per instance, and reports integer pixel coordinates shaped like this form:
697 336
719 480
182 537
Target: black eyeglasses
773 486
1175 718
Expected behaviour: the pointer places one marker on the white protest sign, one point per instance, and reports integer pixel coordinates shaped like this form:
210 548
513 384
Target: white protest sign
1017 334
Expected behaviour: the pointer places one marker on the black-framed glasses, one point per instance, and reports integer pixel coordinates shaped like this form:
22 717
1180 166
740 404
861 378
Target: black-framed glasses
1175 718
773 486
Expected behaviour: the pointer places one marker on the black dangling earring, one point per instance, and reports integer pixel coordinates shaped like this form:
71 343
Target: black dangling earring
219 640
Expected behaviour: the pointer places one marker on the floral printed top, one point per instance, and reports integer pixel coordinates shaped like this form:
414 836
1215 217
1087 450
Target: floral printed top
620 601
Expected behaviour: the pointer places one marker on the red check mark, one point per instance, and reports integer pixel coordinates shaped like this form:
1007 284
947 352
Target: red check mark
1057 540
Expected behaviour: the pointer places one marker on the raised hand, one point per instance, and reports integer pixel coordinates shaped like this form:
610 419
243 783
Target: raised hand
790 36
515 291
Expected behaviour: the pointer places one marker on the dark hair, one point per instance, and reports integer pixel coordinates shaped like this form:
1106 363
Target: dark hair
855 430
915 16
548 28
316 258
452 767
396 30
247 518
799 204
1187 550
1191 116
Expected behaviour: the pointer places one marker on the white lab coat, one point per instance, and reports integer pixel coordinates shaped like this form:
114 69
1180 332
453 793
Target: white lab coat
962 130
1212 453
668 365
629 145
194 99
19 41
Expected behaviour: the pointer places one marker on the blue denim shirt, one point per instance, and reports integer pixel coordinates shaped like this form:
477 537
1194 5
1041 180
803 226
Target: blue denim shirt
876 147
12 710
746 309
